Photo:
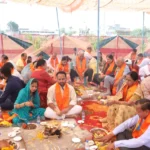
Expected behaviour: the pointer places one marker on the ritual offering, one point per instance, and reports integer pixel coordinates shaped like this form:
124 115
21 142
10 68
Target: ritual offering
99 133
30 126
5 124
78 92
8 145
52 131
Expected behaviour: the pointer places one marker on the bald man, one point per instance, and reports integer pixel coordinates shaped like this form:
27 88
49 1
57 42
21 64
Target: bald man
121 71
81 68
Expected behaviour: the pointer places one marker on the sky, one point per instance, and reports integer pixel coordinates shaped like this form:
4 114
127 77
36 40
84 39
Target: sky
37 17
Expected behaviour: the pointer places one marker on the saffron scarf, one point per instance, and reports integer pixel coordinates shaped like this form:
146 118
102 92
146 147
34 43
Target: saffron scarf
117 77
62 99
63 68
110 68
129 91
141 127
80 65
24 62
54 62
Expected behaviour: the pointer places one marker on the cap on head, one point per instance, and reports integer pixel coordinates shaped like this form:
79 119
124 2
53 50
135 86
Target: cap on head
128 61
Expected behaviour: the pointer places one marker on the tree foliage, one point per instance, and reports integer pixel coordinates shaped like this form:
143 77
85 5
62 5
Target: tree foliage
138 32
14 27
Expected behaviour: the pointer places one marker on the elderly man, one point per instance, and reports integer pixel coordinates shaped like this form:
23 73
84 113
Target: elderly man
21 63
121 71
61 99
53 61
81 69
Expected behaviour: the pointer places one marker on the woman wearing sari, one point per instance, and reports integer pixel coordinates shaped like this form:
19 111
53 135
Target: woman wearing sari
44 79
122 106
27 104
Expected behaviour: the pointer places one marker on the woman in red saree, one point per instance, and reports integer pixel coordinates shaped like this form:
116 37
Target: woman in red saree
44 80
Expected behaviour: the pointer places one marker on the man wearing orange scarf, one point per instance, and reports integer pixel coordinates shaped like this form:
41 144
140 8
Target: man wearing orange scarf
81 69
62 101
21 63
53 61
121 71
109 69
139 137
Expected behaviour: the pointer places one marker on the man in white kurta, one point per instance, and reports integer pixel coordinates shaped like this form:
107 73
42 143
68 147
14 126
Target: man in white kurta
53 111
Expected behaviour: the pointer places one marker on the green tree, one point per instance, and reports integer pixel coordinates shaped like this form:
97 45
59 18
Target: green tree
14 27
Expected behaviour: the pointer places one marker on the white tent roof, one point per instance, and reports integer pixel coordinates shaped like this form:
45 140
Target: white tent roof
71 5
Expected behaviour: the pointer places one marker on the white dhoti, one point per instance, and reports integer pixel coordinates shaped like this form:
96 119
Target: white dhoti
50 113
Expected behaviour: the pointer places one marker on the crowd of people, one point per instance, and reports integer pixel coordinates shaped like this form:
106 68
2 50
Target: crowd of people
45 88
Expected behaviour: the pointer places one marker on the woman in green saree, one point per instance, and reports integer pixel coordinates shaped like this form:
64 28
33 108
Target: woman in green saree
27 104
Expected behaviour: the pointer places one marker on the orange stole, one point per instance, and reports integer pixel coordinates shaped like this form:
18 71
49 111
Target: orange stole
80 66
32 67
141 127
54 62
24 62
129 91
110 68
62 99
63 68
117 77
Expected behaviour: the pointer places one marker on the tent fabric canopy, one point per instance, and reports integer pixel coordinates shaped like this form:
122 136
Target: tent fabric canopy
131 44
118 45
23 44
45 56
71 5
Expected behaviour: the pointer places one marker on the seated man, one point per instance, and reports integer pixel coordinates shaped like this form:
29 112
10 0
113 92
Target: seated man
81 69
21 63
63 65
5 59
53 61
13 86
138 138
109 69
121 71
61 99
144 71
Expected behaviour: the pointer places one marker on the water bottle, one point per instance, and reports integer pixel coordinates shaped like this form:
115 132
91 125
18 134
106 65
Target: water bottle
87 147
1 115
85 81
83 115
38 119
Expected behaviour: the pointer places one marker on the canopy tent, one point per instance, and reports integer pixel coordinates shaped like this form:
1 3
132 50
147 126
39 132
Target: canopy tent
71 5
118 45
52 45
12 46
45 56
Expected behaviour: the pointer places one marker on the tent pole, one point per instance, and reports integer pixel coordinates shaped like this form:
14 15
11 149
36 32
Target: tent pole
143 31
59 32
98 35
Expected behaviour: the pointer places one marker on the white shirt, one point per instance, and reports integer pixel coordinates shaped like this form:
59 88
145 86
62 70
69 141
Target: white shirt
88 56
51 95
144 139
144 71
144 62
17 74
